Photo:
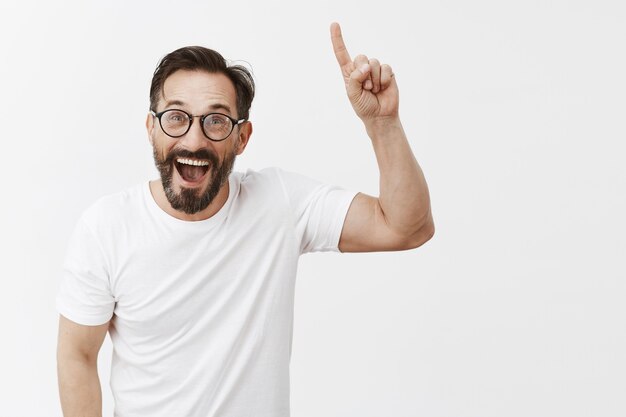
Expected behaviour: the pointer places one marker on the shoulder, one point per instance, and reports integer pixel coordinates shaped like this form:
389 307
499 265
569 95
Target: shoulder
272 186
115 208
276 178
295 190
257 187
268 176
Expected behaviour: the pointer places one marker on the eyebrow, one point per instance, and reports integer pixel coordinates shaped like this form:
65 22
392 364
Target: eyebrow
213 107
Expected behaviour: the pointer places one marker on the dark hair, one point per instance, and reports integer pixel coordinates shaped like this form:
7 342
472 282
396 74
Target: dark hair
204 59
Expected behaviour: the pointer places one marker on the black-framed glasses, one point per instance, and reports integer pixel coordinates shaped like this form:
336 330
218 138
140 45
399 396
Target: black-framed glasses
215 126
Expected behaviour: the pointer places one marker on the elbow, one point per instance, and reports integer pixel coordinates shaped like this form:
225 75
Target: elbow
422 235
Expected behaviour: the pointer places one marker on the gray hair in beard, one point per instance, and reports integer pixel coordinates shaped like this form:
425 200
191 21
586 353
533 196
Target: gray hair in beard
189 200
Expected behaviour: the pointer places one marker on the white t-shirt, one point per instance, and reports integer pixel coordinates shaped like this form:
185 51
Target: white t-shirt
201 312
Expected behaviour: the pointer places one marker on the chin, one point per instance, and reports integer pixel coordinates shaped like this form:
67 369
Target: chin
192 200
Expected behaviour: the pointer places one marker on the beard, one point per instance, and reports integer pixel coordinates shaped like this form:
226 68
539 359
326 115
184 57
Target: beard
193 200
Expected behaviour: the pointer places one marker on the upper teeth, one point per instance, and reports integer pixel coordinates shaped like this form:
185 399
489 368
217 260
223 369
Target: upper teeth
192 162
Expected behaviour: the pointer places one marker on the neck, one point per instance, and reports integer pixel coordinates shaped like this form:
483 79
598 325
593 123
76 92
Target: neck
156 188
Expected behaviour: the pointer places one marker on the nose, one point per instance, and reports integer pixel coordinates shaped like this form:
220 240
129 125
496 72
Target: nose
194 139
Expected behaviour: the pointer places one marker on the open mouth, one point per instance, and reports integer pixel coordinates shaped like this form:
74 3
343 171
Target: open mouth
192 171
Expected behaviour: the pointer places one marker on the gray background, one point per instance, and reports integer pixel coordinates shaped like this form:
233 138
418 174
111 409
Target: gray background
515 111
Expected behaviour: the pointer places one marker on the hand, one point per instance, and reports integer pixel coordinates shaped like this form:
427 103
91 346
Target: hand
371 87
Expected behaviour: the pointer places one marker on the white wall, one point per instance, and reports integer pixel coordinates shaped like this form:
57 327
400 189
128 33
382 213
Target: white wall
515 111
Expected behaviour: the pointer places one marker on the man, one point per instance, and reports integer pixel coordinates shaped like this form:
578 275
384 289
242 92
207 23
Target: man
193 274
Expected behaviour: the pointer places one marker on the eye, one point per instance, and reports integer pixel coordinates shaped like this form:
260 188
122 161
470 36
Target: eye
216 120
175 117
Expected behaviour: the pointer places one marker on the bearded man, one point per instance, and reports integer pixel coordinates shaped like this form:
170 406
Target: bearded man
193 274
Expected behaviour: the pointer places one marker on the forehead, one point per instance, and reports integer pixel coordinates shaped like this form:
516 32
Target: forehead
199 91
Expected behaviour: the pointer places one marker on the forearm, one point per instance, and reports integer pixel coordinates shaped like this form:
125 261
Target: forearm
79 387
404 199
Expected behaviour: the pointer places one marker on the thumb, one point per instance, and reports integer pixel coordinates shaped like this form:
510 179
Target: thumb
357 78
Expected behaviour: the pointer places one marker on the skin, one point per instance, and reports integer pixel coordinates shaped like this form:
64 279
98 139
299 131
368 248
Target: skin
77 370
398 219
196 92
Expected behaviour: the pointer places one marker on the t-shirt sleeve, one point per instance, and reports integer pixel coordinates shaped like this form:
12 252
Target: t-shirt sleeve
319 211
85 295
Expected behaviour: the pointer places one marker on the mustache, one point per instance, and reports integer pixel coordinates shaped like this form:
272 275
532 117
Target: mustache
184 153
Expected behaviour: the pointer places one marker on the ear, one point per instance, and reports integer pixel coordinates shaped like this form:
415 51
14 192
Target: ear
150 128
245 131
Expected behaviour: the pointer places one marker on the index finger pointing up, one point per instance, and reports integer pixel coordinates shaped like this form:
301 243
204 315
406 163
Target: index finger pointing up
341 53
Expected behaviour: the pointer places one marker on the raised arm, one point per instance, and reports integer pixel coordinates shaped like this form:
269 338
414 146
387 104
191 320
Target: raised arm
77 354
400 217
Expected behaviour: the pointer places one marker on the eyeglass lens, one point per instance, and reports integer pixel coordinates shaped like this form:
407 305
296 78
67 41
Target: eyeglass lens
176 123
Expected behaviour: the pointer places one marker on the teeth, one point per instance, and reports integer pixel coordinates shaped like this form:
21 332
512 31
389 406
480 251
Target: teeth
192 162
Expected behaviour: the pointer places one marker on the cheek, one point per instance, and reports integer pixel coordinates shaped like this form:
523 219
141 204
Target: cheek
223 150
163 147
234 149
